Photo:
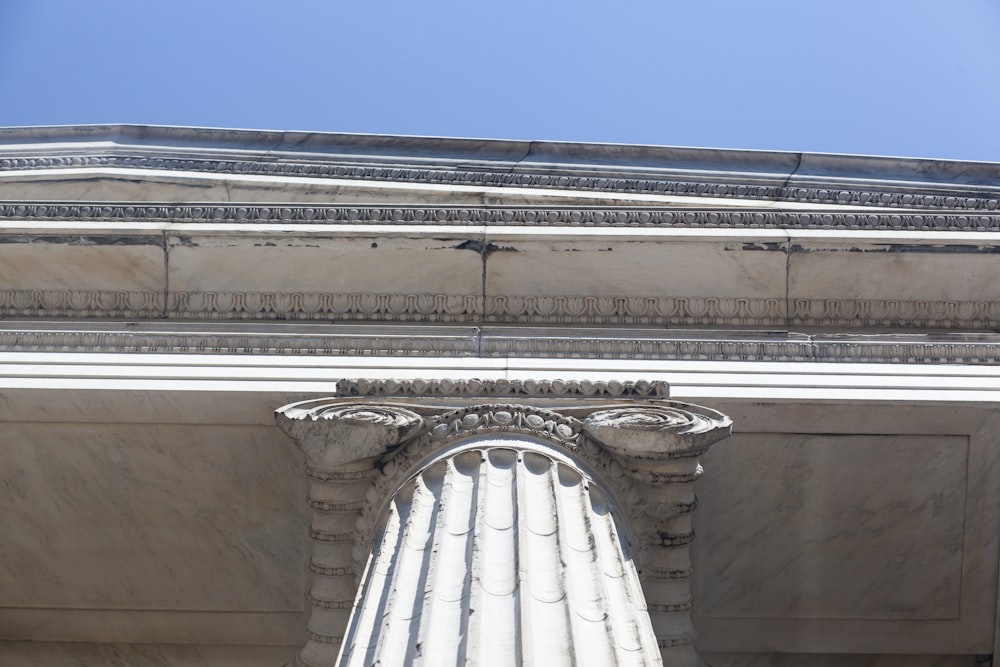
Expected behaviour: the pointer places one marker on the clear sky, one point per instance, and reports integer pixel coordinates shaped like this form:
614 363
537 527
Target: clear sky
886 77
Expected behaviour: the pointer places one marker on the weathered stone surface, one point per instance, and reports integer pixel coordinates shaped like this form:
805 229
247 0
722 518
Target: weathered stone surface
519 531
93 509
862 528
839 308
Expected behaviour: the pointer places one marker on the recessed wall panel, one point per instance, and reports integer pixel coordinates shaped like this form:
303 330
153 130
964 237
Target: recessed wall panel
810 526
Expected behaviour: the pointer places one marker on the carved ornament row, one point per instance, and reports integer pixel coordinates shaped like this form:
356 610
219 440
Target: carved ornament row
531 309
564 217
609 182
503 388
488 346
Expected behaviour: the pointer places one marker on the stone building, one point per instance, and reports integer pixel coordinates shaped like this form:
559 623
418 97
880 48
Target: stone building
544 318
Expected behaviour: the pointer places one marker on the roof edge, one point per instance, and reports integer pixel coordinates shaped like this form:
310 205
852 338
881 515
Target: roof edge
501 153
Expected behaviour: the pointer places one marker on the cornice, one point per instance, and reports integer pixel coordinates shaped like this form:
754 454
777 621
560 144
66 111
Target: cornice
630 217
608 168
505 342
818 190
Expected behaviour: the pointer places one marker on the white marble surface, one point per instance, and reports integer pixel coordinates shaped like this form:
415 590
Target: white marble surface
60 477
902 558
558 159
535 273
833 527
170 510
97 407
116 184
365 264
522 557
654 268
184 376
64 263
105 184
894 271
151 518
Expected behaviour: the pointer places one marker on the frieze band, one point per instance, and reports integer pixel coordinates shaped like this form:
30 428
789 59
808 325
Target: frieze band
977 349
501 216
516 309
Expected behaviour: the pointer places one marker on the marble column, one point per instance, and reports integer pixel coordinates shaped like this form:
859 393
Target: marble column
468 522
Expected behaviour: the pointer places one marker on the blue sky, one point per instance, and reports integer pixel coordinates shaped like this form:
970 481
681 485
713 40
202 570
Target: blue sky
887 77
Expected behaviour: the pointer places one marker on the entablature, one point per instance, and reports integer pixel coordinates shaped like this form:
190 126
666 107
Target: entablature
569 267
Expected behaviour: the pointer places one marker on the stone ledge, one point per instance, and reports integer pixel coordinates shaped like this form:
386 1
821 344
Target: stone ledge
249 338
628 217
720 173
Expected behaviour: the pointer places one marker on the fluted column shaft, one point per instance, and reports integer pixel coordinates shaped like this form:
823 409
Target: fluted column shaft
500 554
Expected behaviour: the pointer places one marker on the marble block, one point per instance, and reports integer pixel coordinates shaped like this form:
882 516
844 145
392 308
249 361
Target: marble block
653 282
95 262
849 528
247 277
894 272
833 526
150 518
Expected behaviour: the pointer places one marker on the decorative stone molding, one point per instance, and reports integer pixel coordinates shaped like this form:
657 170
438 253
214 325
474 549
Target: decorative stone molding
412 343
669 311
634 182
975 350
504 388
326 306
502 216
966 349
363 454
507 309
81 303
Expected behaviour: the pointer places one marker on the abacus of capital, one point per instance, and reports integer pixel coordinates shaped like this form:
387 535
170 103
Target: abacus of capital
478 522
